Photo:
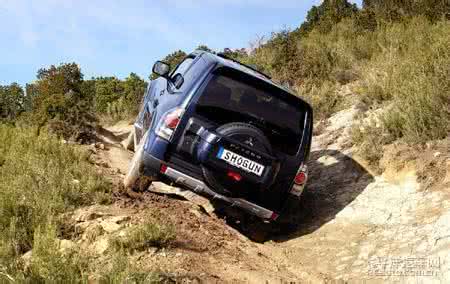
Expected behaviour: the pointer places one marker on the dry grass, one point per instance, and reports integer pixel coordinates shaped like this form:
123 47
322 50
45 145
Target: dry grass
41 178
145 235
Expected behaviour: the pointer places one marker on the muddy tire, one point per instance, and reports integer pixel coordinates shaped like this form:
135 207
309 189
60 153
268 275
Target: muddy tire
135 179
129 142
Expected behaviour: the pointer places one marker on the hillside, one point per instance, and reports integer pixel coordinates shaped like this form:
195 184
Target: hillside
377 205
350 218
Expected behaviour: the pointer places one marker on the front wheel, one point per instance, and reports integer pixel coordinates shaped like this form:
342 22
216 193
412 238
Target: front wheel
135 179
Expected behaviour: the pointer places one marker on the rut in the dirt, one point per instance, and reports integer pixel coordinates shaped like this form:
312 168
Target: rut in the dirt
348 217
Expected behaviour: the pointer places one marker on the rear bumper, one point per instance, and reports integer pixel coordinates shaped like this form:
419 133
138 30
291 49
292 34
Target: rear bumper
153 164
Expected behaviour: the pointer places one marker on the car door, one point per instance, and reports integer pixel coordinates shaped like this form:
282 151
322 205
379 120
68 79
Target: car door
166 96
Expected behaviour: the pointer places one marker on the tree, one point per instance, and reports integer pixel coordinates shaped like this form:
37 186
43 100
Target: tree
205 48
12 102
61 101
173 59
107 90
326 15
134 88
396 10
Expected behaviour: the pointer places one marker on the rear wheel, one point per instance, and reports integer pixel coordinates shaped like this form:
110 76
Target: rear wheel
246 134
135 179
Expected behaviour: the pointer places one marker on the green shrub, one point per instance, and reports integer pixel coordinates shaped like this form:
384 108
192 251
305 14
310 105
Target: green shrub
142 236
118 99
370 138
411 73
40 178
324 98
49 263
62 102
121 270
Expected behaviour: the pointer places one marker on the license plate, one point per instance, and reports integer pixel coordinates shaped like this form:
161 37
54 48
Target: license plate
240 161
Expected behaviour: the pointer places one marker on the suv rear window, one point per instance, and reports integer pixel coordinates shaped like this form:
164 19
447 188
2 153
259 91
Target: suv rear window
233 96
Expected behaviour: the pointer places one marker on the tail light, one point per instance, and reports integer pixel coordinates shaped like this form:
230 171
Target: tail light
234 176
300 180
163 168
301 176
169 123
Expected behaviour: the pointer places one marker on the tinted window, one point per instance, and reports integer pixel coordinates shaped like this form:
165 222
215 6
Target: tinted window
231 98
183 66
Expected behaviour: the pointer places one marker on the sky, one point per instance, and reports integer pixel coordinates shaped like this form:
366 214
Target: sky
114 38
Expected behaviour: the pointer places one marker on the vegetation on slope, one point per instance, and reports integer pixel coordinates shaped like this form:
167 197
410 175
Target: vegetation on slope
40 178
395 56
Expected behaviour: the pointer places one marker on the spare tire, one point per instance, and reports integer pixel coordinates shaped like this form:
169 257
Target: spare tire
245 134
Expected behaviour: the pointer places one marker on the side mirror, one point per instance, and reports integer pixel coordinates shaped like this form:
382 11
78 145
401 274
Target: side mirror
161 68
177 80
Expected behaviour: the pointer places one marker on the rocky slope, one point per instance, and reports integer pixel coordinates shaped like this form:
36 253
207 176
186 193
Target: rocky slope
352 224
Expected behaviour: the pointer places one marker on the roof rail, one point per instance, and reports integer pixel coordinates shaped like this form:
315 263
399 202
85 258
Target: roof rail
222 55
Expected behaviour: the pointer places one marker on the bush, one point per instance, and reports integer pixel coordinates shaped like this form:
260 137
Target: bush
143 236
324 98
411 73
62 102
12 102
121 270
51 264
370 138
118 99
40 178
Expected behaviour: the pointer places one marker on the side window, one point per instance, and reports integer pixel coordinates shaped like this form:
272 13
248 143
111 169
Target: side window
183 66
190 68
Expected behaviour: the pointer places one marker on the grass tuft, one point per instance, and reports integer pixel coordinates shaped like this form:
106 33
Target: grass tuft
143 236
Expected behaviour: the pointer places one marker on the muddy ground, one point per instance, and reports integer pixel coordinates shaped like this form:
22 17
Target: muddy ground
351 224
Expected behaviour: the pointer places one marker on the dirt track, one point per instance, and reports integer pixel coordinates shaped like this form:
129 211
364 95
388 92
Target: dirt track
350 223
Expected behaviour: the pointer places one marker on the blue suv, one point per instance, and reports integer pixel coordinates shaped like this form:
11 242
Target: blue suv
224 130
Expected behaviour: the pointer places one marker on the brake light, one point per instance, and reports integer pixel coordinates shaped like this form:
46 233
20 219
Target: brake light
301 176
172 120
274 216
169 123
234 176
163 168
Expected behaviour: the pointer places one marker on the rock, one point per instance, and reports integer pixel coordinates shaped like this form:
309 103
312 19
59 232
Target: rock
119 219
129 142
101 245
66 245
92 160
87 216
26 258
196 212
91 233
92 149
81 227
75 182
110 226
437 154
100 146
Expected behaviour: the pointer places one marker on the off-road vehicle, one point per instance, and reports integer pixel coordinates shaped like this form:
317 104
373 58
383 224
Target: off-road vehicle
224 130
